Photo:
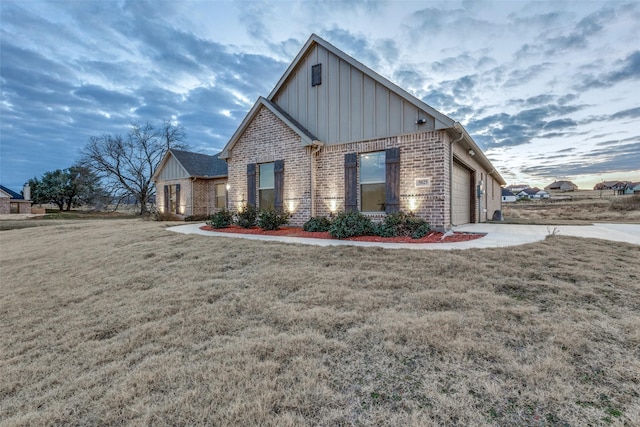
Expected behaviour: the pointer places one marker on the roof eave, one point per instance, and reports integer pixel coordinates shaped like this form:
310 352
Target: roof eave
263 102
479 155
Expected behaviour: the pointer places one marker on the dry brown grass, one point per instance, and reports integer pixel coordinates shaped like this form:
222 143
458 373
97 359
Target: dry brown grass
582 207
123 322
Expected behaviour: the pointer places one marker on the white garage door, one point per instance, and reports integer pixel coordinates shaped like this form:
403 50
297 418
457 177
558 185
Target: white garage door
461 195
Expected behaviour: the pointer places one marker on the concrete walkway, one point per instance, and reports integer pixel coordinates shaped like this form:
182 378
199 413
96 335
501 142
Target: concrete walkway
497 235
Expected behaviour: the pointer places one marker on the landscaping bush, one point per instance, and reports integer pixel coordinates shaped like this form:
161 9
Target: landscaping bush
246 218
270 219
317 223
221 219
350 224
401 224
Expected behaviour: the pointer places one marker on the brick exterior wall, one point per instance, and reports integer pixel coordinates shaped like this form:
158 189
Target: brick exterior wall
422 155
4 206
268 139
196 197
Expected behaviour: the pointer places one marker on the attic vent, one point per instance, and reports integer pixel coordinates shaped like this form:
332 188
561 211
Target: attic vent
316 74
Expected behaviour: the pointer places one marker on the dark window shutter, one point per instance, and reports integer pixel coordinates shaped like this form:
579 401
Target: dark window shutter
278 171
351 182
166 199
177 198
392 180
251 184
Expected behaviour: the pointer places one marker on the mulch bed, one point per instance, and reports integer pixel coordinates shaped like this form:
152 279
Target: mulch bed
433 237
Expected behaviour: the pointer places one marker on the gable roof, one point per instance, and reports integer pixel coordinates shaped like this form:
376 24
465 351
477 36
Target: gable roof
442 121
506 193
306 137
196 164
11 193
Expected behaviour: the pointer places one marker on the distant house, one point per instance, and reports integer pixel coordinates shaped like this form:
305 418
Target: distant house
190 183
561 186
532 193
607 185
618 187
508 196
632 188
516 188
12 202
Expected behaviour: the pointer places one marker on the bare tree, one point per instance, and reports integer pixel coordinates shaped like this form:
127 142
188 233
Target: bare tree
126 165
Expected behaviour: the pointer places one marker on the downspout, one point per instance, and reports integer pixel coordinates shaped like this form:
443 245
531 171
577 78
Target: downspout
451 173
317 146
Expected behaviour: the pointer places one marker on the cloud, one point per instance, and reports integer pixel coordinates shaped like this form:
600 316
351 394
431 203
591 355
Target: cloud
625 69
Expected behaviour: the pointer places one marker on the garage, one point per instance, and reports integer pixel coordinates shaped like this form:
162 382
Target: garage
461 209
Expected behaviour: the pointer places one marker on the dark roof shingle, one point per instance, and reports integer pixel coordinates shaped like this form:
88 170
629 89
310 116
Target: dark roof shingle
201 164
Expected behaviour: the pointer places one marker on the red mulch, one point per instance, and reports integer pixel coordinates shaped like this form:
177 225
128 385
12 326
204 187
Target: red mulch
433 237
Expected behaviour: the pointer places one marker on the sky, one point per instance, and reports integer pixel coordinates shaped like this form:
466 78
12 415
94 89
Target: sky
548 90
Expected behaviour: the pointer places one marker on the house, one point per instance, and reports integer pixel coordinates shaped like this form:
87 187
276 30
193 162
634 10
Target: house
508 196
12 202
516 188
607 185
333 135
632 188
529 193
561 186
190 183
541 195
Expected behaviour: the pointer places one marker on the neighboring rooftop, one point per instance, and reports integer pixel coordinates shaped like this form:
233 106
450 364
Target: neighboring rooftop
202 165
11 193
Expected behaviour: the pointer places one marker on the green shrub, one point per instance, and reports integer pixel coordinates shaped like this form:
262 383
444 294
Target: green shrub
421 230
401 224
270 219
317 223
350 224
221 219
246 218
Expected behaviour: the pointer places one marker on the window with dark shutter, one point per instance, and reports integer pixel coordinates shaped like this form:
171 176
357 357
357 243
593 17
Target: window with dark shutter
266 186
316 74
392 180
278 171
351 182
251 184
372 182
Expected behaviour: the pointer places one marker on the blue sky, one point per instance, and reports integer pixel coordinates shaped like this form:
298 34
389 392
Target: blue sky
548 89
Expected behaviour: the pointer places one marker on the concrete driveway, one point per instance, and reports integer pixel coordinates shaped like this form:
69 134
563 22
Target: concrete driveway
497 235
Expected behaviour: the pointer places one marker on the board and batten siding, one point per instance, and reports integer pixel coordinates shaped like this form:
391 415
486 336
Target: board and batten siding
348 105
172 170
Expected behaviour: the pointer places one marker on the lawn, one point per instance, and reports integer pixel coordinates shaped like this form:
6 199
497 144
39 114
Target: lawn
123 322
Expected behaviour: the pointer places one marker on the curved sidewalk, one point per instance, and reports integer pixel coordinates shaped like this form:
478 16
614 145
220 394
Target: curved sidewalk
497 235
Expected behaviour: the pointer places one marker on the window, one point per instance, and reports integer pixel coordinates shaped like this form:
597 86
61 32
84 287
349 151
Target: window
173 201
266 186
372 182
221 196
